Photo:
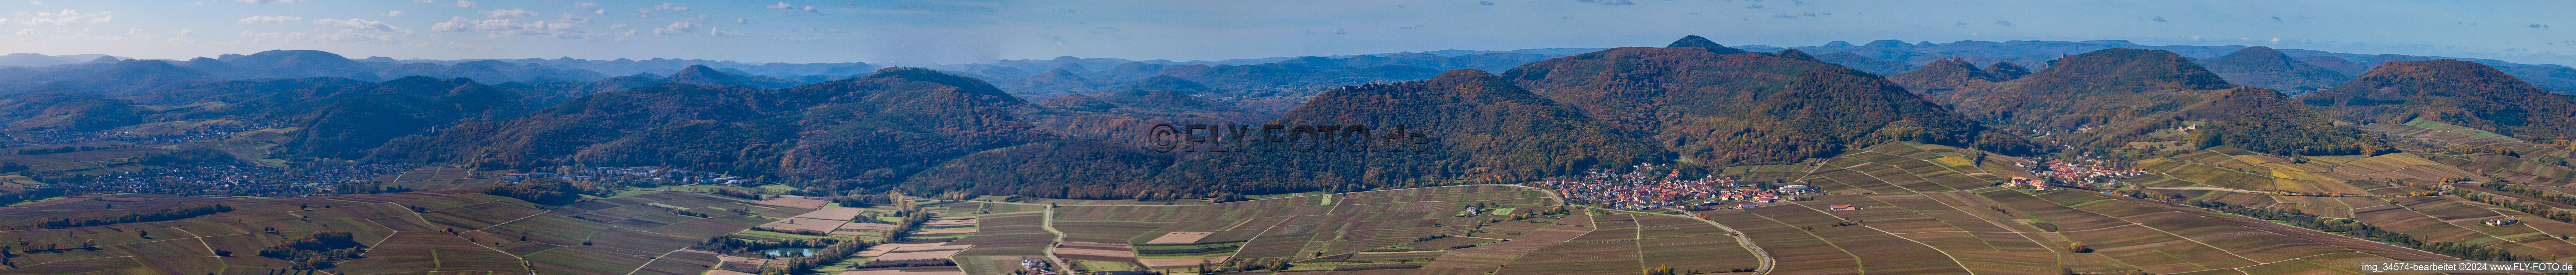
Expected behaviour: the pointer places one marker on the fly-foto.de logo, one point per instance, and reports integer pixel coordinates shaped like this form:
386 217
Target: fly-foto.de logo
1166 137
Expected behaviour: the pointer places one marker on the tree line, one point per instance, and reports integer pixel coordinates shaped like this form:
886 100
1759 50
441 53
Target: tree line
165 214
2543 211
2366 231
64 149
730 245
317 251
546 191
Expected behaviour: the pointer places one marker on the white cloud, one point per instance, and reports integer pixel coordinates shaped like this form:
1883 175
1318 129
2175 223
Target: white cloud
509 13
460 23
393 13
38 3
720 32
345 36
568 17
741 20
455 24
593 7
466 4
63 18
666 6
498 28
811 9
359 24
682 27
270 19
617 26
780 6
270 1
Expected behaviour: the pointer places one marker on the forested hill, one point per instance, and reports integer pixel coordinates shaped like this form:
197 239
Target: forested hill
1477 128
2451 91
1747 108
326 117
346 122
2093 88
2264 67
1943 79
2108 101
857 133
1122 115
1482 128
2262 120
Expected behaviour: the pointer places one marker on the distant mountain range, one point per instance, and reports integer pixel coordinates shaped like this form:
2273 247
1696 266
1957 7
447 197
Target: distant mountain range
1280 82
1036 77
2144 136
2108 101
980 126
2451 91
2036 54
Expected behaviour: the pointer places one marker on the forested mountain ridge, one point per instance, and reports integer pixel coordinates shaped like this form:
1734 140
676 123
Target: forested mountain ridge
1120 115
1475 128
279 98
2116 102
1943 79
2451 91
346 122
1750 108
286 63
836 136
1863 63
2093 88
2264 67
67 110
331 117
1697 102
2262 120
108 78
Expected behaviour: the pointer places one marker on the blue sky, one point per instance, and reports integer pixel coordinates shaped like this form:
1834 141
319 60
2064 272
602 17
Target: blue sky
978 31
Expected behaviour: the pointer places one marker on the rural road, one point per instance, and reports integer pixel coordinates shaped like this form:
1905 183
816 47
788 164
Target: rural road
1740 237
1047 223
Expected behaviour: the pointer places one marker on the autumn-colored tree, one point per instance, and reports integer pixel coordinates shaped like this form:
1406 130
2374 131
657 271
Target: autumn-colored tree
1661 270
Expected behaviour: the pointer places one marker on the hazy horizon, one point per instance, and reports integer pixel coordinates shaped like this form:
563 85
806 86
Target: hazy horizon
983 31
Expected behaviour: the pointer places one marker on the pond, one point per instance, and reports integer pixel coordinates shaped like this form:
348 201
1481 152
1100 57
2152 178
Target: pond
790 252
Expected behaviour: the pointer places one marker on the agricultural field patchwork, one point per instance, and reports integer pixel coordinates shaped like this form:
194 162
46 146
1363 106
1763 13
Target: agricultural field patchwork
441 231
1405 231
